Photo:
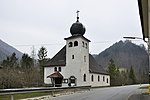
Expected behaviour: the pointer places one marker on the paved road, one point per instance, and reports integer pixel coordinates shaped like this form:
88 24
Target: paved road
111 93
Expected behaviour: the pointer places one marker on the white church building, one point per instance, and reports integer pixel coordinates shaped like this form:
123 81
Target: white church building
73 65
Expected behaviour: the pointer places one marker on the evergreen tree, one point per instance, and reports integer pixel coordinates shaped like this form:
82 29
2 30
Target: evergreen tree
112 67
113 72
10 61
26 61
132 76
42 54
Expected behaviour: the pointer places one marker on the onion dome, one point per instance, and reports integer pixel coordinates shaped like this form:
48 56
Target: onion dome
77 28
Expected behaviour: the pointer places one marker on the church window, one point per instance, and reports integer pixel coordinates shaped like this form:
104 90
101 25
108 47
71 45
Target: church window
107 80
103 78
84 58
55 68
70 44
86 45
84 77
76 43
82 44
98 78
72 56
92 78
59 68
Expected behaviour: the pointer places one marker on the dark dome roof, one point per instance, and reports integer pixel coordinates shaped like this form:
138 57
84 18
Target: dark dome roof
77 28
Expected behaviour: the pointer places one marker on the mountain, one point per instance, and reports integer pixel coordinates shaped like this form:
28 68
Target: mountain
125 54
7 50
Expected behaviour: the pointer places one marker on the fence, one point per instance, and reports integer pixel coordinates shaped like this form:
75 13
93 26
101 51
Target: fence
53 90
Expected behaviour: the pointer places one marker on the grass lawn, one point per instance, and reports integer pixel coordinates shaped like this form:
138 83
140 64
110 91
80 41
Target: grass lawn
24 95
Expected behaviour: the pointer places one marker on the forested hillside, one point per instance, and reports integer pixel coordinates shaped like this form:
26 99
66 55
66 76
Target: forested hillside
127 63
125 54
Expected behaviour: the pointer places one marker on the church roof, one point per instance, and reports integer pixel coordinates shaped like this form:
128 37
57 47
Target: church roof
60 60
76 36
55 75
94 67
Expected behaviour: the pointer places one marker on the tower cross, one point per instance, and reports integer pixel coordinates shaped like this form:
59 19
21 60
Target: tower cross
77 15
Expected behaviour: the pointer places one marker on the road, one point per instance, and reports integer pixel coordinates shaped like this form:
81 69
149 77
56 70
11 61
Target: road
110 93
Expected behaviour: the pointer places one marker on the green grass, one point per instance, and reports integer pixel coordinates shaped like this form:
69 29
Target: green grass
24 95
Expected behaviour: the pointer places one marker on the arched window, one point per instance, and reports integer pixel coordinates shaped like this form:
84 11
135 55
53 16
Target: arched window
84 58
82 44
86 46
55 69
76 43
98 78
72 56
92 78
107 80
84 77
103 78
59 68
70 44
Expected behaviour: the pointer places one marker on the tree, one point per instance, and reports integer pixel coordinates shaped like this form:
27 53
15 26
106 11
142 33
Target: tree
114 72
42 54
26 61
10 61
132 75
124 77
112 67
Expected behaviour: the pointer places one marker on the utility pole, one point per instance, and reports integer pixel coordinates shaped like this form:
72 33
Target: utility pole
33 55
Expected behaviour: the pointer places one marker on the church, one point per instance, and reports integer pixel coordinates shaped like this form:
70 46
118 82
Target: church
73 65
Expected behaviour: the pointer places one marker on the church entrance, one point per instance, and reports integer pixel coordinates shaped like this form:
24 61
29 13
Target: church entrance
56 79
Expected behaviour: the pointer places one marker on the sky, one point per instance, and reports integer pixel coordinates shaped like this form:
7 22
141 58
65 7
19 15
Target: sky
28 24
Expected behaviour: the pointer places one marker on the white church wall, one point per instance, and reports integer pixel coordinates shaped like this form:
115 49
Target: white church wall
103 80
77 60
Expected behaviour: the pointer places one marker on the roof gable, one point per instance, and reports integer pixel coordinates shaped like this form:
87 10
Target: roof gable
76 36
59 59
55 75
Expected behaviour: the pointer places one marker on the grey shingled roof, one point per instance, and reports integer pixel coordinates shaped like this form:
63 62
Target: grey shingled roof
60 60
55 75
75 36
94 67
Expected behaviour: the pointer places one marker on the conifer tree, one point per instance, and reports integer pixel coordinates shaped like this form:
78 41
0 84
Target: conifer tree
10 61
112 70
42 54
26 61
132 76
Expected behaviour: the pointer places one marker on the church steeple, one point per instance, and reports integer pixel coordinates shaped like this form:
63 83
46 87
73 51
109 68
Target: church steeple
77 28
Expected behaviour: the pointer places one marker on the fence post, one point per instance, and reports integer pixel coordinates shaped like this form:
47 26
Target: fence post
11 97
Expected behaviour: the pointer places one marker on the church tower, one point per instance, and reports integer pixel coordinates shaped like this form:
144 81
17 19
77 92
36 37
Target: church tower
77 54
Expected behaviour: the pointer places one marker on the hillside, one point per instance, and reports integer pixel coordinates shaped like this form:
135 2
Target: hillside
7 50
125 54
